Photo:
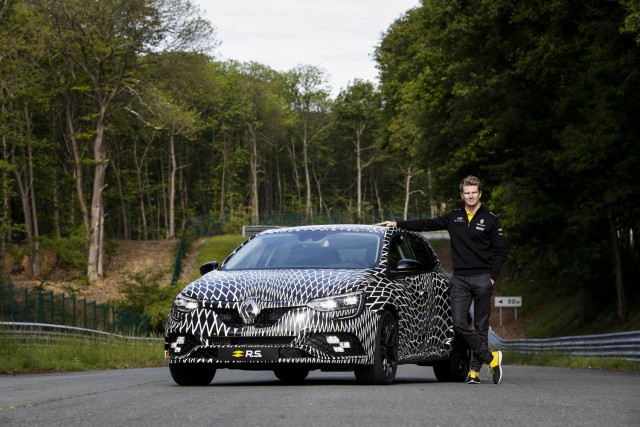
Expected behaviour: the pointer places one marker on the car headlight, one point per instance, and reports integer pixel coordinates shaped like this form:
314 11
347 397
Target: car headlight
184 304
344 305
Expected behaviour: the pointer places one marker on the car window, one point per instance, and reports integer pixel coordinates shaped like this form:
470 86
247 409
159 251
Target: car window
307 249
422 252
398 249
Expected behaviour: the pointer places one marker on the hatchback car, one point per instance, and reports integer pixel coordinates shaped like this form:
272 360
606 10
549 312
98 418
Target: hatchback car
359 298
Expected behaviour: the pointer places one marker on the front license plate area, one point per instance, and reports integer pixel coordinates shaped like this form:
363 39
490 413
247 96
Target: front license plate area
253 354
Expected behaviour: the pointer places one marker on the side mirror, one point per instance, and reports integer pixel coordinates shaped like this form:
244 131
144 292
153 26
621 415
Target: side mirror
207 267
408 266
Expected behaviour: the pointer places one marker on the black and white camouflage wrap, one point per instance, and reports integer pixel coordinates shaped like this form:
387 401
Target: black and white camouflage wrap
419 302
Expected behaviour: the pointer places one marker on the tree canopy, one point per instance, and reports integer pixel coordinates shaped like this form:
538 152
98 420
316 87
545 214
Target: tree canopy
118 122
539 100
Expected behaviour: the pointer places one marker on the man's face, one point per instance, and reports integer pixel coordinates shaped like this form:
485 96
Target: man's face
471 196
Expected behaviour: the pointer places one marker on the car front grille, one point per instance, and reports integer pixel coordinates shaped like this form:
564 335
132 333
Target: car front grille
293 353
205 353
217 341
331 344
267 317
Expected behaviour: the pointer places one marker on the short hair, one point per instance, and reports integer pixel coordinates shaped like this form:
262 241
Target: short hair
470 180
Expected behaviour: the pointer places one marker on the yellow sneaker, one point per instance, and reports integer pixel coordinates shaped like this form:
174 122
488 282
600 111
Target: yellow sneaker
473 377
495 367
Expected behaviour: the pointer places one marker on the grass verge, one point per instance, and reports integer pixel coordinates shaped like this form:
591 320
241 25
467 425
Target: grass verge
568 361
77 354
216 248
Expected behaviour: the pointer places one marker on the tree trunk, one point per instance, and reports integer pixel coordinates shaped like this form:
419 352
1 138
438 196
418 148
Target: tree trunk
74 147
279 186
23 189
321 202
164 197
617 269
184 197
409 174
357 143
294 163
5 230
35 240
253 162
141 188
225 162
172 184
307 177
123 203
24 180
94 262
378 200
433 208
101 243
407 194
56 210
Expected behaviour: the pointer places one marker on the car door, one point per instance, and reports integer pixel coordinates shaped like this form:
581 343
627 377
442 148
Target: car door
412 296
436 301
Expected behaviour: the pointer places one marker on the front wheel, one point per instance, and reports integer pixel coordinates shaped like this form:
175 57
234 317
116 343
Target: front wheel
456 368
385 361
192 374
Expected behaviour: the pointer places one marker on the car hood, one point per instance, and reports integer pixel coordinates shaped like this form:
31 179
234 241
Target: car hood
274 285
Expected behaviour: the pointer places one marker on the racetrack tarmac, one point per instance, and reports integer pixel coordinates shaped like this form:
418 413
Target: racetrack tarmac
527 396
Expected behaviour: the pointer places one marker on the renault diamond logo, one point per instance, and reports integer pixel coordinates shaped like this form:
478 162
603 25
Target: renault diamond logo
238 353
249 310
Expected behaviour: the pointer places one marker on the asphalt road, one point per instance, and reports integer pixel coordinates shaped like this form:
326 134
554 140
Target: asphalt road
528 396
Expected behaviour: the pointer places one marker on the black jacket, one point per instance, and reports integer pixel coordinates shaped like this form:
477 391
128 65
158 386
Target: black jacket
477 247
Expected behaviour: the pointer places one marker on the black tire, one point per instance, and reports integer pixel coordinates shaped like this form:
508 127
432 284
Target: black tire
385 361
192 374
456 368
291 375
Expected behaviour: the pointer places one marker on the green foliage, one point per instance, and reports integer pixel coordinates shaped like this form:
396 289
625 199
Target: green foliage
144 294
70 251
539 100
632 20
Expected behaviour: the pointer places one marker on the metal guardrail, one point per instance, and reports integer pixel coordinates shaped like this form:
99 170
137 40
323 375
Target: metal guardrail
625 345
47 333
436 235
24 304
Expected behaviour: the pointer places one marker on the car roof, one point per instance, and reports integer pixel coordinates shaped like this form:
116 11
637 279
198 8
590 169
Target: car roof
360 228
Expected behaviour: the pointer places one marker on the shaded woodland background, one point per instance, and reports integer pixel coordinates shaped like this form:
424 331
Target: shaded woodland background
118 122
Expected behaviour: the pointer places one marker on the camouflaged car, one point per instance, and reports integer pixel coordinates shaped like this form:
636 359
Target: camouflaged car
358 298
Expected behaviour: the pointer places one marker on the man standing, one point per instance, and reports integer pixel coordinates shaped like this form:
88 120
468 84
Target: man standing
478 251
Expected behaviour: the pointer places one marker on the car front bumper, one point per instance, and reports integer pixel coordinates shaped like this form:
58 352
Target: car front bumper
281 335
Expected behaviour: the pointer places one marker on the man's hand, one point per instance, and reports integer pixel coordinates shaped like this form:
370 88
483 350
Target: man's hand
387 224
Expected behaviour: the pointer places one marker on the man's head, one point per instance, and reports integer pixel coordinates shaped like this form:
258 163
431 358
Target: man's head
471 191
469 181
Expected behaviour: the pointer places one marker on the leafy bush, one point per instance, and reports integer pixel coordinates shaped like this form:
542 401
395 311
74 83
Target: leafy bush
70 251
143 294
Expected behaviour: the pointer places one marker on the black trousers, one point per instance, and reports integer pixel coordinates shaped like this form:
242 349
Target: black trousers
464 291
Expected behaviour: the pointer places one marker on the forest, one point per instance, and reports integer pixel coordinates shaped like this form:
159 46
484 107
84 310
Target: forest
117 121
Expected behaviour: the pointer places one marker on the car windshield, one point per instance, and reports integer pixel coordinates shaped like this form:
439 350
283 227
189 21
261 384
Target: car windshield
307 249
